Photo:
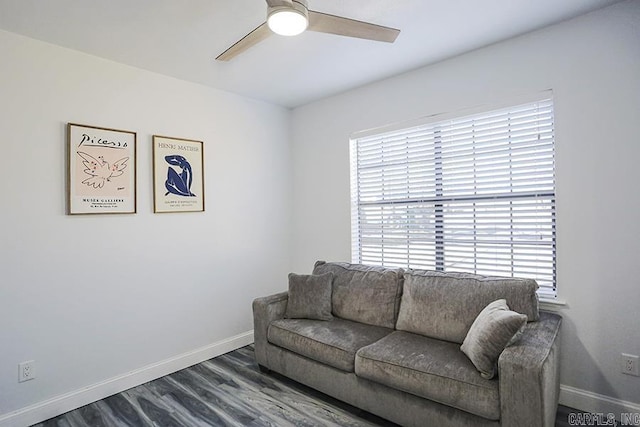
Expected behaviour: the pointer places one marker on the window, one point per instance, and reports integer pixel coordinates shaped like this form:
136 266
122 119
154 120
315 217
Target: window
473 194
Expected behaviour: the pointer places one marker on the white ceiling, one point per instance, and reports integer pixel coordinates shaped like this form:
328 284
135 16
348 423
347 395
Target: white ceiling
181 38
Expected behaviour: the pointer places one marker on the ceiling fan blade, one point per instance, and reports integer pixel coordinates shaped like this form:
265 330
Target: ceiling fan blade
325 23
251 39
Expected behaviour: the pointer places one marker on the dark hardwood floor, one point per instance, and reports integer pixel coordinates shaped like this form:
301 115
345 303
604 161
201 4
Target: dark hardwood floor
228 390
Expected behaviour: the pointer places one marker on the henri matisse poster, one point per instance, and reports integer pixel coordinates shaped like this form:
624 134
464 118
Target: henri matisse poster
102 170
178 175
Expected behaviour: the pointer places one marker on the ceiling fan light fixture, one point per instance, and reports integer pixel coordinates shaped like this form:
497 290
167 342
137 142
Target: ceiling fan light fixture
288 21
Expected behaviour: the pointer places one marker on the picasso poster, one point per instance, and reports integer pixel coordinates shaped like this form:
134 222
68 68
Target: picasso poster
178 175
102 170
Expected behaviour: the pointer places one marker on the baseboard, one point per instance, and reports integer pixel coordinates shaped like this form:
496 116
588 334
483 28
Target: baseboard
41 411
587 401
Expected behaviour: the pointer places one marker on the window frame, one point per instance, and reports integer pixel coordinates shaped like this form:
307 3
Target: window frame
546 292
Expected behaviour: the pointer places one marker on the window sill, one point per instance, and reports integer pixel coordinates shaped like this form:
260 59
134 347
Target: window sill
552 304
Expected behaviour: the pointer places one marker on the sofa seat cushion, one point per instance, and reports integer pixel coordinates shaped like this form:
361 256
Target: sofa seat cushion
430 368
332 342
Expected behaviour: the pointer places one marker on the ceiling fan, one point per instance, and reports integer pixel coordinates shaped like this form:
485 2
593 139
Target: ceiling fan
292 17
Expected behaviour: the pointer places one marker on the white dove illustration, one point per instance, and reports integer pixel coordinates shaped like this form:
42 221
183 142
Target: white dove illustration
99 169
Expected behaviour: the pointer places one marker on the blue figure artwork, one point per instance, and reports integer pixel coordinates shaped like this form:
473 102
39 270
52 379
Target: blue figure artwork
179 183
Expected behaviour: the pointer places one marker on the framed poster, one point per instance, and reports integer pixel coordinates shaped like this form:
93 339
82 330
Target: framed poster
102 170
178 175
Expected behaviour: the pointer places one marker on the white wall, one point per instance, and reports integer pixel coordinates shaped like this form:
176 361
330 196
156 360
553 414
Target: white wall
92 298
592 63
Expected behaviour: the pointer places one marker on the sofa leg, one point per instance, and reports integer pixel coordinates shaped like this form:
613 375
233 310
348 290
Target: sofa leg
264 369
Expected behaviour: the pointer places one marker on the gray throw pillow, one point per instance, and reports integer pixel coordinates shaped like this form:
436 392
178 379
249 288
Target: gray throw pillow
309 296
490 333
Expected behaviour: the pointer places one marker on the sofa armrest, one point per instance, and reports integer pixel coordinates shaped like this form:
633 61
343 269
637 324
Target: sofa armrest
266 310
529 375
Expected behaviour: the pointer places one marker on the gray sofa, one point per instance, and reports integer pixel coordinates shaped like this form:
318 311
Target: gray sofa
392 346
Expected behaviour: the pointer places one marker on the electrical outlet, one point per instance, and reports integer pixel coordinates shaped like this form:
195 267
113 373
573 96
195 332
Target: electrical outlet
629 364
26 371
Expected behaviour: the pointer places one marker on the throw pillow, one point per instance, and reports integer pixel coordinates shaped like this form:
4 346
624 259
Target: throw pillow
309 296
489 334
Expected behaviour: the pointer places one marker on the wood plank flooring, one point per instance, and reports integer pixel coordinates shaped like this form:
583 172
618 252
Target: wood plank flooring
228 390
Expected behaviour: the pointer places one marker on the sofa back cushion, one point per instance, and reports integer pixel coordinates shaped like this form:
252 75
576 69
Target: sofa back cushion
363 293
444 305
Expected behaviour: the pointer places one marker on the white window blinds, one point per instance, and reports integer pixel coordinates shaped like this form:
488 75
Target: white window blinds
473 194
